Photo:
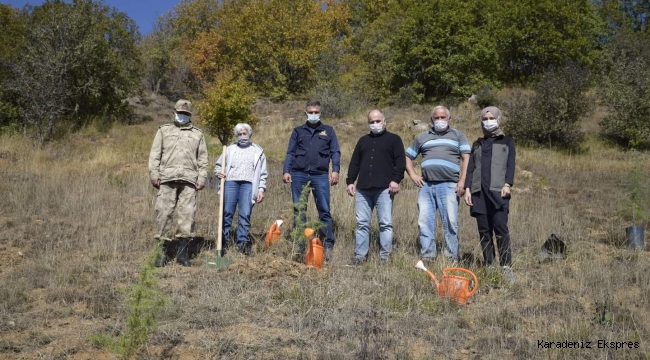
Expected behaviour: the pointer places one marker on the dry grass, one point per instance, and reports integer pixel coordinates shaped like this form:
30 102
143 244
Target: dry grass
81 214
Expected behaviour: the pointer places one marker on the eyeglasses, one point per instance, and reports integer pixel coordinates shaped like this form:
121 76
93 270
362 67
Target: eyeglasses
313 112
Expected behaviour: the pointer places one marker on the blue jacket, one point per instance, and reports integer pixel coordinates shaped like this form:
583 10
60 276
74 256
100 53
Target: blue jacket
311 149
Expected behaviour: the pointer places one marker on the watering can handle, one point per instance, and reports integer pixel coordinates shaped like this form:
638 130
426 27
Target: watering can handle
468 273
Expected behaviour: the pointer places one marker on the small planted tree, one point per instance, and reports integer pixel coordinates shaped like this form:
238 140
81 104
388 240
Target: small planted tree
145 301
227 102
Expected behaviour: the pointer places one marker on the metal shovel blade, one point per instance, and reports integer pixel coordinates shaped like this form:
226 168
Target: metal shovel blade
218 262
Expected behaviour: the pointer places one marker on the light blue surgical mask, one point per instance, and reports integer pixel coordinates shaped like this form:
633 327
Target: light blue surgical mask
243 139
313 118
490 125
376 128
181 119
440 125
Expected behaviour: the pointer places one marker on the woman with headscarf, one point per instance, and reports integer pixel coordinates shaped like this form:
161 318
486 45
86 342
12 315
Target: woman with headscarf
490 174
245 173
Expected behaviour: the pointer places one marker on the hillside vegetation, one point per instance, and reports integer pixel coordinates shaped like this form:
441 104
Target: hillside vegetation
77 222
82 93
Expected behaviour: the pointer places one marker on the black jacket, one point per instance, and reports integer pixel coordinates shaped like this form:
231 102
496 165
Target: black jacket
377 160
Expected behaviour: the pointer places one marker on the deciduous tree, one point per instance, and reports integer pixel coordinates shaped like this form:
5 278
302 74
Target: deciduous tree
225 103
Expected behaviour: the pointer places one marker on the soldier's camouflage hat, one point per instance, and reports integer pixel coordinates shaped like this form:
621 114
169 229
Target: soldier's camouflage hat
183 106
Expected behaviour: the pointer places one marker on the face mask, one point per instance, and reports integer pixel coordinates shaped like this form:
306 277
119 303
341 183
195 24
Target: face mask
490 125
440 126
313 118
243 139
376 128
181 119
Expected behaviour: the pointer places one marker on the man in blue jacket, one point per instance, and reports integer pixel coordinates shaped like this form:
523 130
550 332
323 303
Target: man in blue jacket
311 148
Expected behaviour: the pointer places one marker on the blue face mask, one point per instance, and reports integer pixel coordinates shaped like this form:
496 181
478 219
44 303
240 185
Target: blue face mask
243 139
181 119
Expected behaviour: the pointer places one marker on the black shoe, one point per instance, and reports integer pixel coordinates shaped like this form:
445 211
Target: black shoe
356 261
329 253
384 261
182 257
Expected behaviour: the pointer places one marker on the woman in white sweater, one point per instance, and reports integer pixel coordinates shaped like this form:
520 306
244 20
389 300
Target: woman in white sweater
245 173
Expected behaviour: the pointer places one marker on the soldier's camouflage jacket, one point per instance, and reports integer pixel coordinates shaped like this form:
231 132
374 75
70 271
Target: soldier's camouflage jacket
179 153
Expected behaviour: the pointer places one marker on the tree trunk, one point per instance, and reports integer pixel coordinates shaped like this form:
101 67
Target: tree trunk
50 127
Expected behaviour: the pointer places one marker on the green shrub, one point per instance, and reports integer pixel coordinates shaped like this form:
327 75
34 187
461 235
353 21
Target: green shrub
486 96
625 90
551 116
335 101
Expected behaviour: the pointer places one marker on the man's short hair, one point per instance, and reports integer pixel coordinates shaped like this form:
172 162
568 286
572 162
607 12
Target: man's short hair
383 117
312 103
441 107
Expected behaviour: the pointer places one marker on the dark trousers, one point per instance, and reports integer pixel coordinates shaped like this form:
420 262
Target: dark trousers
495 221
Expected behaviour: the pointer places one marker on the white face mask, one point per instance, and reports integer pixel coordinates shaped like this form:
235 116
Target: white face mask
440 125
243 139
313 118
181 119
376 128
490 125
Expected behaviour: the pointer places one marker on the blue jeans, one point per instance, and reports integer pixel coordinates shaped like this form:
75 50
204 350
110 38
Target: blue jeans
237 194
441 196
320 187
365 201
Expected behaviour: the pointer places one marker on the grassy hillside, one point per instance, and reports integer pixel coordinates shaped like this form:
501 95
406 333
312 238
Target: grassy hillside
77 221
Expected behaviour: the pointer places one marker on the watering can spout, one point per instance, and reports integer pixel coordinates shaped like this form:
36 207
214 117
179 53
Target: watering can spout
420 265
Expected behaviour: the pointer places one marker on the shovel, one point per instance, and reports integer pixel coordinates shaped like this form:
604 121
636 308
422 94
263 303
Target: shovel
220 261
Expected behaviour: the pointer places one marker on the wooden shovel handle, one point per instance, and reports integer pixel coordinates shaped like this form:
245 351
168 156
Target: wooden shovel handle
222 183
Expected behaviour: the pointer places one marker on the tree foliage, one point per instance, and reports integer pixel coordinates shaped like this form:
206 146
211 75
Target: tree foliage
625 89
443 48
13 30
273 44
226 102
551 116
78 61
533 35
166 70
386 50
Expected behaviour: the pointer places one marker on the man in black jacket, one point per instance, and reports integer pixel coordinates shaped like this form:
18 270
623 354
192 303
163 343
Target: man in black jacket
379 162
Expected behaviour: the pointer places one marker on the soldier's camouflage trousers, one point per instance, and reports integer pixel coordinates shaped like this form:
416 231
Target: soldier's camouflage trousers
182 197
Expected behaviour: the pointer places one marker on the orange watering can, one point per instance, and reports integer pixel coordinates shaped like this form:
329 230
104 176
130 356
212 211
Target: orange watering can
273 234
314 257
452 286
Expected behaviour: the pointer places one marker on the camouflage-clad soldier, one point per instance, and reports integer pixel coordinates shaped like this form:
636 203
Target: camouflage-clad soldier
178 167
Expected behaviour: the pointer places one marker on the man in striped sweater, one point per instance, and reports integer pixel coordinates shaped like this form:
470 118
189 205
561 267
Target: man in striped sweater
441 181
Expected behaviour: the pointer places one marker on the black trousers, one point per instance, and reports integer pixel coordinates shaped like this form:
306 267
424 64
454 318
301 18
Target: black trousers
495 221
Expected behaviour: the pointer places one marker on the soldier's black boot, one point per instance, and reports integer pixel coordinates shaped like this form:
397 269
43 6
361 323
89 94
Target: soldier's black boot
161 258
183 257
